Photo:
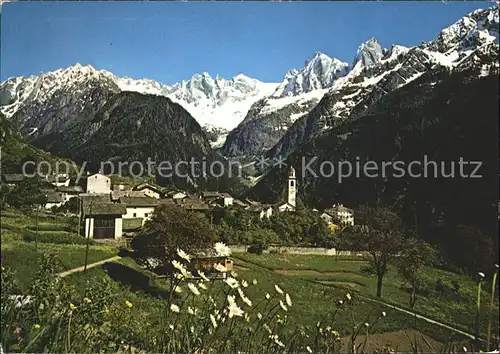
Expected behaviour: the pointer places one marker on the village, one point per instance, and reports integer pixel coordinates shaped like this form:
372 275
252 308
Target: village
112 211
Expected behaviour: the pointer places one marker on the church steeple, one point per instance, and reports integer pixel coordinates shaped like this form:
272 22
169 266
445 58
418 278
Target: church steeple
292 187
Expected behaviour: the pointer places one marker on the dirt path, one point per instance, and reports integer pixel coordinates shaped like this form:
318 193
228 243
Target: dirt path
426 319
92 265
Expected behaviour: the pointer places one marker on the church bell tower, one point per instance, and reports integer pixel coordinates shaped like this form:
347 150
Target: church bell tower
292 187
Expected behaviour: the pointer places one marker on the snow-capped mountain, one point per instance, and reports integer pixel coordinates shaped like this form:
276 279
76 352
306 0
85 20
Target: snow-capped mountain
285 122
473 40
268 119
318 73
219 102
267 116
369 53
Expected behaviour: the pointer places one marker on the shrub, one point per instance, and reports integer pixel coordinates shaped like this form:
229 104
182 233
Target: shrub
49 227
258 247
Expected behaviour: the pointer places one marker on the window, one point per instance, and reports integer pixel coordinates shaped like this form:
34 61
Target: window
135 215
146 215
292 183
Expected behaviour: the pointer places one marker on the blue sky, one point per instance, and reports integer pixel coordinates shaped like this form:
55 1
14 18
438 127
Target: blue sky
171 41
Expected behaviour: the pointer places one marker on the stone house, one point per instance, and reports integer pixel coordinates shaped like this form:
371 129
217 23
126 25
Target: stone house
103 219
68 192
59 180
11 179
341 214
139 207
98 183
54 199
148 190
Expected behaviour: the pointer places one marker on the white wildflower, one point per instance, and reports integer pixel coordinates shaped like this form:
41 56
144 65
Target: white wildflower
278 289
231 299
288 300
214 322
267 328
193 289
178 265
203 276
308 348
222 250
179 276
341 302
192 329
348 296
283 306
219 267
259 316
202 286
367 324
174 308
183 255
465 349
481 275
384 314
233 283
171 327
254 282
244 283
245 299
190 310
234 274
268 296
178 289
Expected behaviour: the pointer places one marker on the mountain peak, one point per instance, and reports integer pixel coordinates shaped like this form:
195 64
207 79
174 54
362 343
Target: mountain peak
369 53
477 27
319 72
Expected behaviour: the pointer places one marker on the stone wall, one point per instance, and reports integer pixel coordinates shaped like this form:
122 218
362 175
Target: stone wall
300 250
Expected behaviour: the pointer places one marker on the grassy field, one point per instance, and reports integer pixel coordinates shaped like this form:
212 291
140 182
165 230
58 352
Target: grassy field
315 283
22 255
311 302
455 309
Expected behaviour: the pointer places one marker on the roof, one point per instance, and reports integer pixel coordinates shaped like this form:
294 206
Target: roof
210 194
195 206
13 177
104 209
145 186
166 202
116 195
226 195
139 201
171 193
95 198
239 203
338 208
132 224
253 202
54 197
57 178
70 189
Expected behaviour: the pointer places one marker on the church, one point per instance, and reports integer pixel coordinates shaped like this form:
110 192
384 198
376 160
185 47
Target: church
291 193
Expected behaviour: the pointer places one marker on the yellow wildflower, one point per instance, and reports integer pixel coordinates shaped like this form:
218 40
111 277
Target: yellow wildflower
36 326
72 307
87 300
128 304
